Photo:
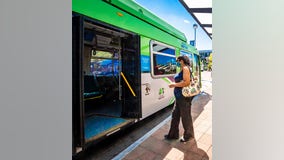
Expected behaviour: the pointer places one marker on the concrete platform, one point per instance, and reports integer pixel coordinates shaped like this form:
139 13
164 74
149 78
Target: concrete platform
155 147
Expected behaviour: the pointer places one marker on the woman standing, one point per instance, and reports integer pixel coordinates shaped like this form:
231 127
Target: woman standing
182 108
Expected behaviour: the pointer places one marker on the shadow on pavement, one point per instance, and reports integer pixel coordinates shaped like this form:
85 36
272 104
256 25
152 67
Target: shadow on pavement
198 104
167 150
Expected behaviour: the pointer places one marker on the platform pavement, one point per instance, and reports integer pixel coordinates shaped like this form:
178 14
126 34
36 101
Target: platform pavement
155 147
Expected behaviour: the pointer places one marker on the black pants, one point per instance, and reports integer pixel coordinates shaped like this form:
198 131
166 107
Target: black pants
182 109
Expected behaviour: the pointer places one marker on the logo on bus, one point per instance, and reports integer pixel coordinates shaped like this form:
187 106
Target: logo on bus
184 46
147 88
161 93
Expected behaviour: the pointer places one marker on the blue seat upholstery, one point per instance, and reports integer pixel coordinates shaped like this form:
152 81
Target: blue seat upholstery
91 88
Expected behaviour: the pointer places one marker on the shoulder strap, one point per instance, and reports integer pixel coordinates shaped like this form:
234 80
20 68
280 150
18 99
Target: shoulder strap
190 72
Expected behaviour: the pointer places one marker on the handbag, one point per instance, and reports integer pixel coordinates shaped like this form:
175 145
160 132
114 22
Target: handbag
192 89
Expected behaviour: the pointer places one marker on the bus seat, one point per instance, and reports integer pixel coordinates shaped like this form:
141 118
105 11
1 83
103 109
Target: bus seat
91 88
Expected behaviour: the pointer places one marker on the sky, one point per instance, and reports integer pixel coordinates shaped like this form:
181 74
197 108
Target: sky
173 12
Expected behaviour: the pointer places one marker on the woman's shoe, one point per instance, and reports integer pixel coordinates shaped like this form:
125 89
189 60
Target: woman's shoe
170 138
184 140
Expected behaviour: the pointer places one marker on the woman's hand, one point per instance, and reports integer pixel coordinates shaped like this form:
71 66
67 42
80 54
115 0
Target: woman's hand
172 85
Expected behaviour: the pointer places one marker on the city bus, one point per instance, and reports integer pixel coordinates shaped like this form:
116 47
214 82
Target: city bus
123 59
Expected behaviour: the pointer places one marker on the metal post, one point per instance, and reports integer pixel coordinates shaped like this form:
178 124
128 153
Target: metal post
195 27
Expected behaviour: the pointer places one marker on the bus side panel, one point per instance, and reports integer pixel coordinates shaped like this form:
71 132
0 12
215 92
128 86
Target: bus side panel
155 93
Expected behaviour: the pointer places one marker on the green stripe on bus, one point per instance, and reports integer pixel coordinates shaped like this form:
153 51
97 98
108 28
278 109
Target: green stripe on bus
172 100
167 80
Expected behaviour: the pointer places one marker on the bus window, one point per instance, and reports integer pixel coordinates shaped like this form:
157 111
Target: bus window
104 63
163 60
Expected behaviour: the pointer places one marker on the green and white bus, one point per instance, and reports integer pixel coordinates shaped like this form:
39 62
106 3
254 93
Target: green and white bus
124 57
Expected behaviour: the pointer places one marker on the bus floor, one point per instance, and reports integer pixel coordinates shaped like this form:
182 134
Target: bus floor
100 125
102 119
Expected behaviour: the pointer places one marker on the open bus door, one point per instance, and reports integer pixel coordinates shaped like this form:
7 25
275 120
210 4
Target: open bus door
77 105
106 81
131 77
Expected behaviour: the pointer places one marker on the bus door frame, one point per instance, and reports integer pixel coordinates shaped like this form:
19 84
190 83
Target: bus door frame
130 54
78 138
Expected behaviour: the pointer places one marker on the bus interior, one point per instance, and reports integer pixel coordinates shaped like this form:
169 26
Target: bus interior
107 102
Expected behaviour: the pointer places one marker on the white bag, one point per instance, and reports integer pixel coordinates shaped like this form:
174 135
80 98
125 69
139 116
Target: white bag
191 90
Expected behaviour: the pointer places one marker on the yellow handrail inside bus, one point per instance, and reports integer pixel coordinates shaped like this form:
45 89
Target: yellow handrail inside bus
128 84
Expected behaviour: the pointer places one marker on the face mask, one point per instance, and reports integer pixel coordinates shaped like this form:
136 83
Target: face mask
178 64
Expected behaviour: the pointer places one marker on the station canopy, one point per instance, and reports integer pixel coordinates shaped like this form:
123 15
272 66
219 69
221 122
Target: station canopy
201 11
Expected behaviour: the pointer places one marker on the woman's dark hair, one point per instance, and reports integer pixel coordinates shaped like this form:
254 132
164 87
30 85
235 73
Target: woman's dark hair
185 59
